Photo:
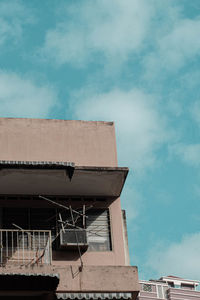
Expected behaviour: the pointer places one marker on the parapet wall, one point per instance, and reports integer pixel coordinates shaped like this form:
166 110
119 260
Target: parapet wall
82 142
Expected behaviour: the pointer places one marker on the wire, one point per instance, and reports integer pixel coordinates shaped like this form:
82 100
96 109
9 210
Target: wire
61 205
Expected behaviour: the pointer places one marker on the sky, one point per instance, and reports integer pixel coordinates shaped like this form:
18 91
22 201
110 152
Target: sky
134 62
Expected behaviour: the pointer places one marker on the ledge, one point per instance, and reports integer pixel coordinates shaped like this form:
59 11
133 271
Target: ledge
60 178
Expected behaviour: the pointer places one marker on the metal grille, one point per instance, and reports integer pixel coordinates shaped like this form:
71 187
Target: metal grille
147 287
25 247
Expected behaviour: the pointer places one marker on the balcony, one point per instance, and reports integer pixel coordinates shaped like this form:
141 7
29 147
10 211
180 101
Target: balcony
25 247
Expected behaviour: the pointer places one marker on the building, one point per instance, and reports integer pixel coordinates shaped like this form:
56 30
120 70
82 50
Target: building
63 234
169 287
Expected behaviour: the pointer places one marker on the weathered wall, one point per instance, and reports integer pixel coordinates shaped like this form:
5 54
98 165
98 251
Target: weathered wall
99 279
81 142
125 234
89 279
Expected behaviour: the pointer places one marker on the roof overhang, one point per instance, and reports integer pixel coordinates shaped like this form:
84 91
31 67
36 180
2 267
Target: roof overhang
56 178
28 282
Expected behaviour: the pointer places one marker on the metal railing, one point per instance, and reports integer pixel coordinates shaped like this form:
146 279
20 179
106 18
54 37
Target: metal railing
25 247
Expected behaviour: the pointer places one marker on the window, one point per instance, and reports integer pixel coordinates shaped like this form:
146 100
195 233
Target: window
162 291
171 284
165 291
98 230
186 286
97 226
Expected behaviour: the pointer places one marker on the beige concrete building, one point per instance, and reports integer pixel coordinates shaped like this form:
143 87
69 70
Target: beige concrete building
170 288
62 233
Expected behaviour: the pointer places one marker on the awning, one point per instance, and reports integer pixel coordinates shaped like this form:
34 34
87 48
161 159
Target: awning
28 281
88 296
60 178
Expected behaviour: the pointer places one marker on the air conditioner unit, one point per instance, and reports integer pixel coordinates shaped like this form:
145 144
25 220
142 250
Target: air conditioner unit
71 238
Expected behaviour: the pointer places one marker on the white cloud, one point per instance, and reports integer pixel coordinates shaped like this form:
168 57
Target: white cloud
189 154
118 30
13 16
113 28
175 48
180 258
20 97
181 44
140 127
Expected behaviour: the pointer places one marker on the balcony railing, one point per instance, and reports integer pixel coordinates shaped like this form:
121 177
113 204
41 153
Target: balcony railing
25 247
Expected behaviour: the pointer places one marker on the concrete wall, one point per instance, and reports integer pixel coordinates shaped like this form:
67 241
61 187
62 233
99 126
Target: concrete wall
99 279
89 279
188 294
84 143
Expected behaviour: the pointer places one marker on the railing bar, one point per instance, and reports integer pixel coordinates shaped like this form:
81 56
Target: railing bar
18 246
44 247
29 243
1 248
12 247
47 250
25 242
39 246
23 246
33 241
50 248
6 245
17 230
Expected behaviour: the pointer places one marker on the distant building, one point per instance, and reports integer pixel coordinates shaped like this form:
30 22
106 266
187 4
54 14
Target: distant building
62 231
169 287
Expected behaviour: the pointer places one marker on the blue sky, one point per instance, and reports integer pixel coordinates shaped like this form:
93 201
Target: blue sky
135 62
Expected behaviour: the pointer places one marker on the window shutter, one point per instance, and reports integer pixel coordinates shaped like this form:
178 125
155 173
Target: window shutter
98 230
